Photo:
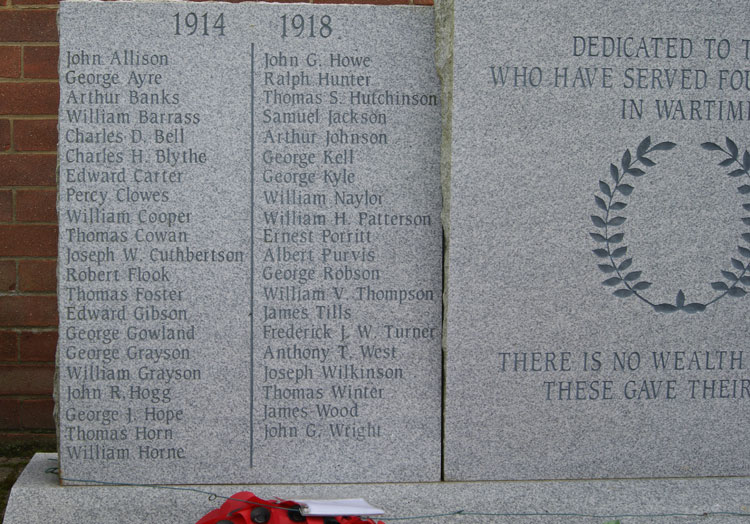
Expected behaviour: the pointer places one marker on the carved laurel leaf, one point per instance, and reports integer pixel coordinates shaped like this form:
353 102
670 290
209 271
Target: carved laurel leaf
745 280
626 159
625 189
719 286
665 308
641 286
614 281
600 203
744 189
623 293
643 146
604 187
598 237
736 292
616 221
614 172
710 146
647 162
745 237
598 221
745 252
619 252
737 172
732 147
746 221
617 206
601 252
607 268
737 264
625 264
680 301
614 239
746 160
729 275
727 162
635 275
636 172
694 307
664 146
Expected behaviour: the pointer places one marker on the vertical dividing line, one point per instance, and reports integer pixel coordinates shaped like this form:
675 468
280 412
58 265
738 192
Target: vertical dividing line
252 244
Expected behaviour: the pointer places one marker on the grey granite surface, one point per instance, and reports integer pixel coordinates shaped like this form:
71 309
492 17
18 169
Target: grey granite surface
38 498
250 243
597 322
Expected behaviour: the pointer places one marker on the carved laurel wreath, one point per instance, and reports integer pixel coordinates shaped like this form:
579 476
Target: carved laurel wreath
629 283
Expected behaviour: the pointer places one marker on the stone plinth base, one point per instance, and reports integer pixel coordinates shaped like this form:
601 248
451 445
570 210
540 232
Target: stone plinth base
37 498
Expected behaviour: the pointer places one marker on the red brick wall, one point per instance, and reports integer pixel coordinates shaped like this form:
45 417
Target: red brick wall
28 222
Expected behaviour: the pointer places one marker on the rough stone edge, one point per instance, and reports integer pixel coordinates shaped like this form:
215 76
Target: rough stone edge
58 263
444 66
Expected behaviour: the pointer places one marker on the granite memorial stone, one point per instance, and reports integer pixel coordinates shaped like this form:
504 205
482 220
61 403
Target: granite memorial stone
250 261
597 317
250 244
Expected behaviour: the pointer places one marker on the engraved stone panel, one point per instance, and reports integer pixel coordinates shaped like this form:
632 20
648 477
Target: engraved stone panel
599 242
250 243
